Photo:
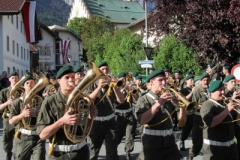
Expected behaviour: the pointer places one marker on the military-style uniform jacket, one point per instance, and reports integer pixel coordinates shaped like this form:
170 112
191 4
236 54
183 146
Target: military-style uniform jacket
180 83
200 95
52 109
221 132
186 91
144 103
104 105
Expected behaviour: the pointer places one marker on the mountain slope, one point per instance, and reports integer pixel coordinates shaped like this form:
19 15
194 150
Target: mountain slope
51 12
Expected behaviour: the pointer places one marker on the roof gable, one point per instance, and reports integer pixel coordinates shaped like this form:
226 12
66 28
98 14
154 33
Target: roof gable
8 7
117 11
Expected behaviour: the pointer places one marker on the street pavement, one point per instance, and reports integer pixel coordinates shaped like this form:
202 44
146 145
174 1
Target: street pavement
121 152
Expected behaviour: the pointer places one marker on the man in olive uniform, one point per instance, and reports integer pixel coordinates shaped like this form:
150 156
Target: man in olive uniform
154 110
126 122
52 83
5 103
179 80
218 130
29 143
213 72
187 93
79 74
226 70
199 95
231 93
53 117
104 125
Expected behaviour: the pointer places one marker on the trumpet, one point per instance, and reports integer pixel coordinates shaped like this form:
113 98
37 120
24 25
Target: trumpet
113 81
180 102
227 100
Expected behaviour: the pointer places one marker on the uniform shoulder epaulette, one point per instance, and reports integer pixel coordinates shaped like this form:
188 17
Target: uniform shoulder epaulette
142 94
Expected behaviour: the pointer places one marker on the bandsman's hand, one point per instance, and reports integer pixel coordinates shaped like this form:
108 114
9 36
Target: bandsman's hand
102 82
70 119
235 95
9 102
164 98
26 112
230 106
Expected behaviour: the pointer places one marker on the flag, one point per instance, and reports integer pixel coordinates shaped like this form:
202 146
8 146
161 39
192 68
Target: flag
65 44
28 13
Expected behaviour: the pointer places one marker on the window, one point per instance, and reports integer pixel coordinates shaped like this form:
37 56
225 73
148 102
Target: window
24 54
21 52
17 21
8 70
7 43
21 26
27 55
14 69
13 47
17 49
12 19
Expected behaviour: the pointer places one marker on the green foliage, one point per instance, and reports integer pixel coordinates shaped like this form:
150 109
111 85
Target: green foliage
50 12
175 56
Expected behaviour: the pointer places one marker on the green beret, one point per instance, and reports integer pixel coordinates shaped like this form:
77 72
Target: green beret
121 74
197 78
134 74
13 74
64 70
77 69
228 78
204 75
177 71
28 77
215 85
167 70
103 63
211 65
154 74
138 77
189 76
226 67
52 77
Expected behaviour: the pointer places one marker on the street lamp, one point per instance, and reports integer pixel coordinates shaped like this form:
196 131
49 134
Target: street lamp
146 29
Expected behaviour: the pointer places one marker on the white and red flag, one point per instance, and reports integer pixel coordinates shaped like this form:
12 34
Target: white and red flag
65 45
28 13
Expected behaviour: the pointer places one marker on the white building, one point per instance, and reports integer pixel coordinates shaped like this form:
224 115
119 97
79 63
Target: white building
14 51
119 12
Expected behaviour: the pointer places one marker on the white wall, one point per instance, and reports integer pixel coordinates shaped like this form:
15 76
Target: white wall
46 49
16 37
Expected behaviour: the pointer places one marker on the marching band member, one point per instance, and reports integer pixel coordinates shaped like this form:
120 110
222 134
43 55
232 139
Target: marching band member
79 74
213 73
29 144
138 82
187 92
226 70
53 117
179 80
8 130
104 125
152 109
46 93
232 93
218 131
126 122
199 95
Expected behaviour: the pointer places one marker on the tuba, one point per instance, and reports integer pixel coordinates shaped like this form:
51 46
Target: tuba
14 93
81 104
33 102
52 89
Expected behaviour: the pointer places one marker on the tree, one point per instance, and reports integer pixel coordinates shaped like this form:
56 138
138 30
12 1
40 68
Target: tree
175 56
209 27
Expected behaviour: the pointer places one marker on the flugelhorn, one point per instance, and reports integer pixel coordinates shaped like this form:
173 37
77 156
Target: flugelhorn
227 100
180 102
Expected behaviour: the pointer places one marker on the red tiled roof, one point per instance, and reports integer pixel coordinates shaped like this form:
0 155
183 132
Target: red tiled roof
11 6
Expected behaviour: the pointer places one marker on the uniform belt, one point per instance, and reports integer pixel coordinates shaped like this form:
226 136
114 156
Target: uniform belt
28 132
123 111
197 113
152 132
106 118
68 148
216 143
